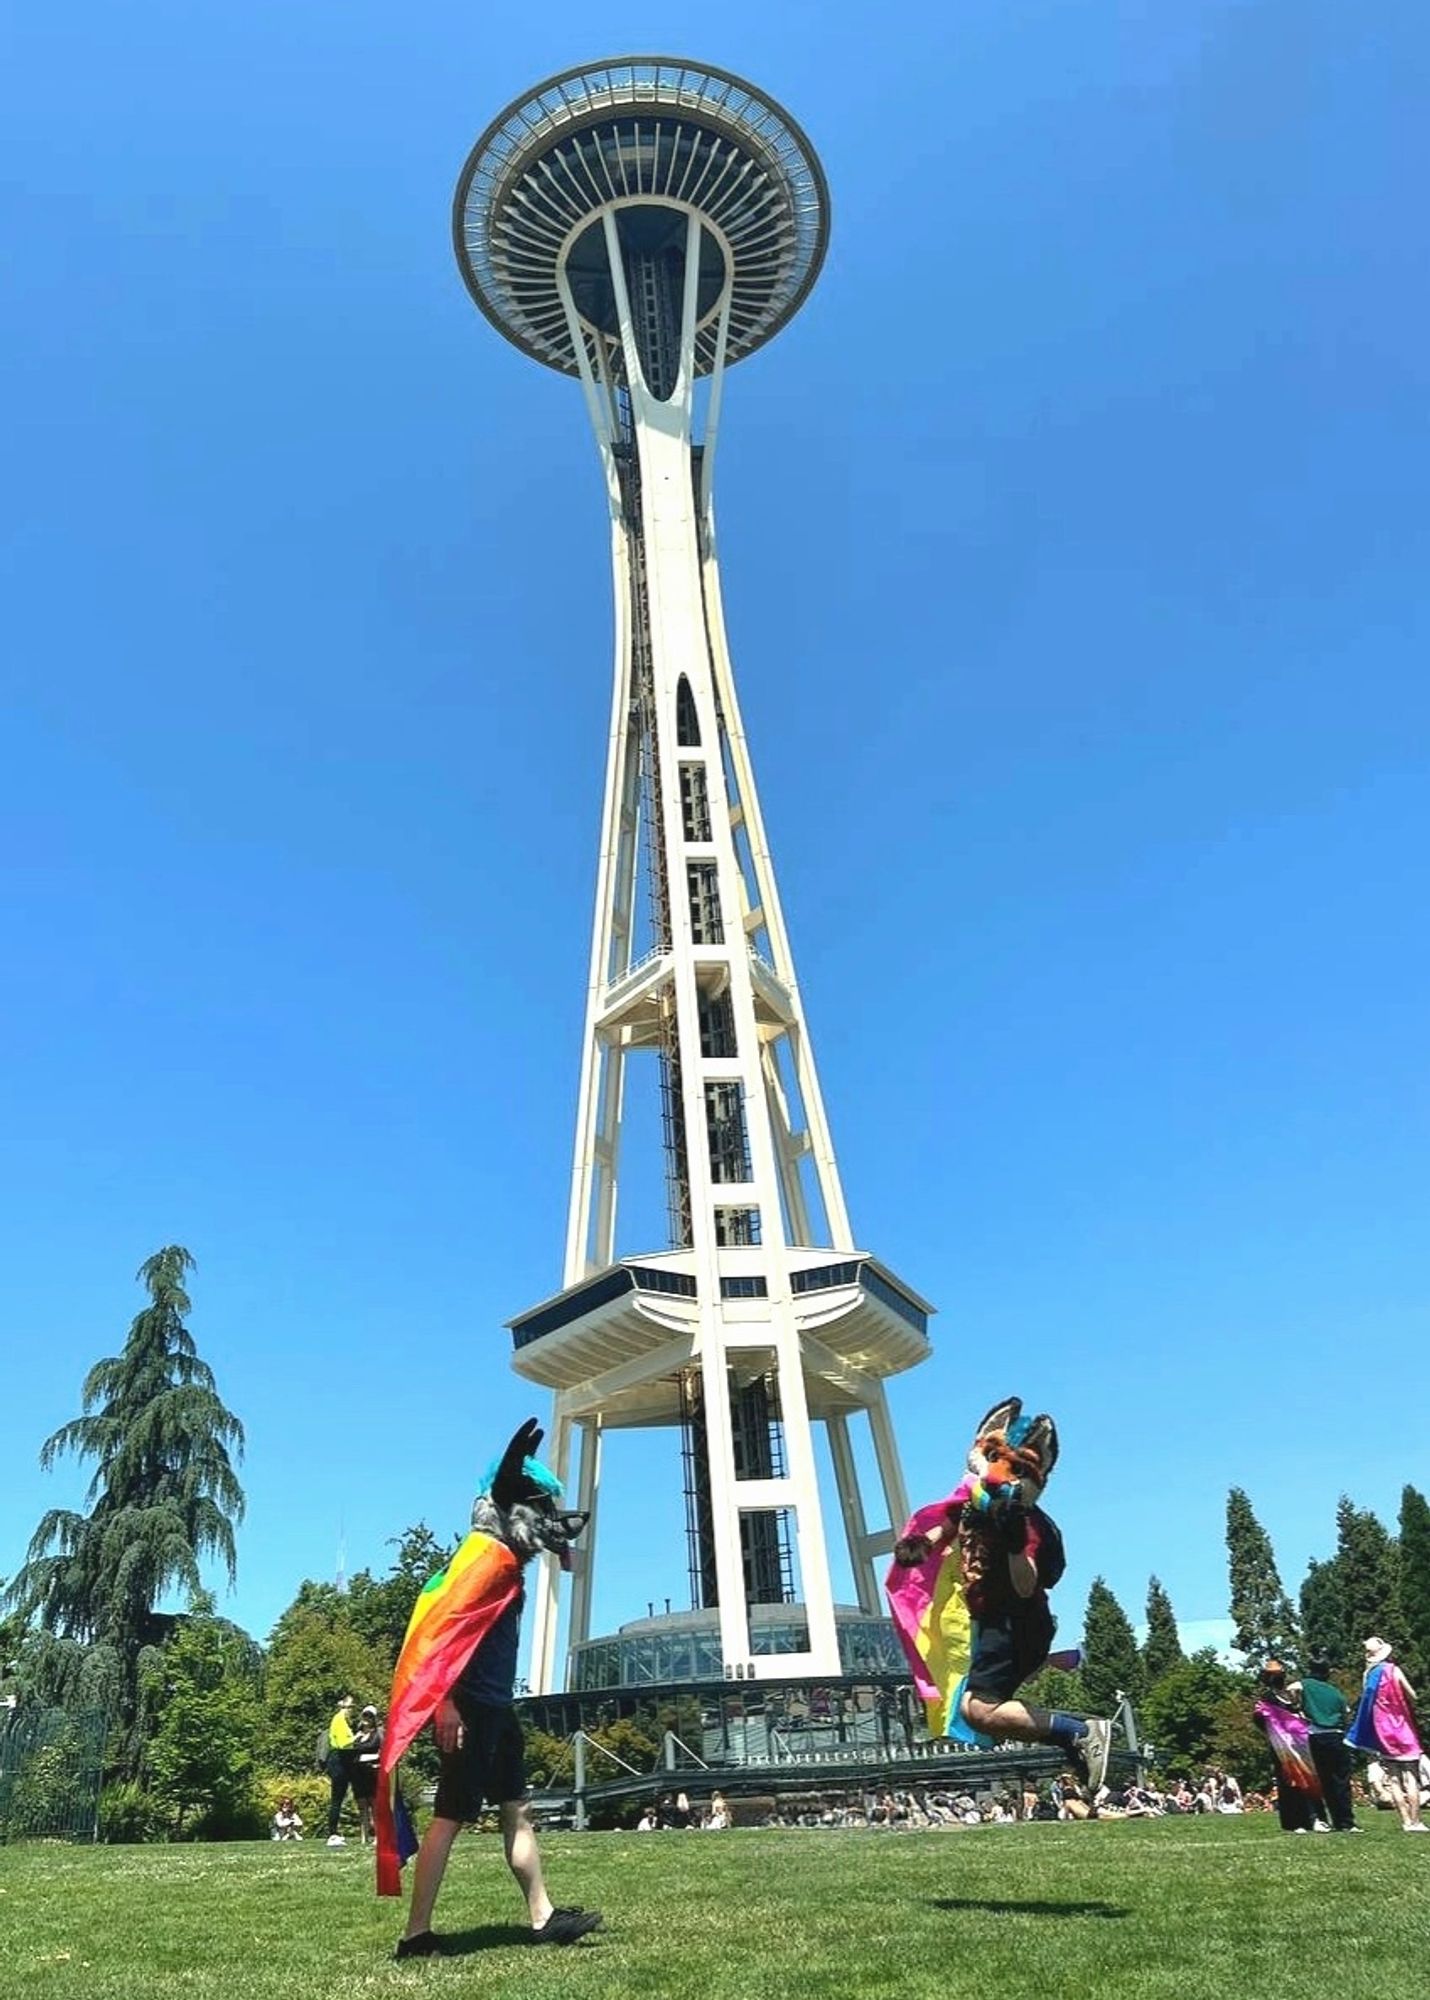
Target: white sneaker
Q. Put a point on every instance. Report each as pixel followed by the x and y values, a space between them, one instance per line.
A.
pixel 1419 1827
pixel 336 1840
pixel 1096 1748
pixel 1321 1826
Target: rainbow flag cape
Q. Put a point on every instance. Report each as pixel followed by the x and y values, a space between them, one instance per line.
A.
pixel 456 1610
pixel 1290 1746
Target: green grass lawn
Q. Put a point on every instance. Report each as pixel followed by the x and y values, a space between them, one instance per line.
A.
pixel 1173 1907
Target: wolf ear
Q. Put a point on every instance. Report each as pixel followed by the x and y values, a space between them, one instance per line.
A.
pixel 510 1480
pixel 1043 1439
pixel 1000 1416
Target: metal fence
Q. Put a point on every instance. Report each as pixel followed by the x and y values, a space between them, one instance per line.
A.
pixel 51 1771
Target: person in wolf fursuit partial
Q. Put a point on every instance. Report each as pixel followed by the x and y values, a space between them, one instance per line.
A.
pixel 457 1668
pixel 969 1593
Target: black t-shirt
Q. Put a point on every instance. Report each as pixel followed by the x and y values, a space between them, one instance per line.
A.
pixel 490 1674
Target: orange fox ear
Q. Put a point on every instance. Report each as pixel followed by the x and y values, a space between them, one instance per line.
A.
pixel 1000 1416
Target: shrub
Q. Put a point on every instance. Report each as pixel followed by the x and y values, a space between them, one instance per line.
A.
pixel 127 1813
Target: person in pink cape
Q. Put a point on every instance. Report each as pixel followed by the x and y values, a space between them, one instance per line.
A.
pixel 1384 1725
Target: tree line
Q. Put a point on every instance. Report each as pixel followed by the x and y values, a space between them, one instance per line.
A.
pixel 1196 1710
pixel 206 1727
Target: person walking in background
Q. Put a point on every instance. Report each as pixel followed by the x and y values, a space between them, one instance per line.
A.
pixel 1384 1724
pixel 339 1765
pixel 1327 1712
pixel 366 1750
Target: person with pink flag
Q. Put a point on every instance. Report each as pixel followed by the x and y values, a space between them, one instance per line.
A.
pixel 1384 1725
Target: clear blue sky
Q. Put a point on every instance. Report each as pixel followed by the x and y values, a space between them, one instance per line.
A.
pixel 1075 540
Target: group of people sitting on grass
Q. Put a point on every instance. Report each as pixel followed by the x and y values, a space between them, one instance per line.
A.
pixel 1061 1799
pixel 902 1810
pixel 678 1815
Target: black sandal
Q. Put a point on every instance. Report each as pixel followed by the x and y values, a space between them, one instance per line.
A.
pixel 426 1944
pixel 565 1926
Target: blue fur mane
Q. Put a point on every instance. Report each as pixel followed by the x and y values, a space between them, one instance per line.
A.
pixel 539 1474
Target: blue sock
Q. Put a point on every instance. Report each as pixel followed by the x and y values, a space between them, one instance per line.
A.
pixel 1065 1730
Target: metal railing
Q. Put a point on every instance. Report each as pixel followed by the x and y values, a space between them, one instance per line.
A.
pixel 51 1772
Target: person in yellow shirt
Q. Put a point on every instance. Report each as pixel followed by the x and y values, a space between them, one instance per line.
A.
pixel 340 1765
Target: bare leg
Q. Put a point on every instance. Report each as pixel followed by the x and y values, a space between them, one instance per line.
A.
pixel 1406 1781
pixel 1006 1718
pixel 431 1866
pixel 524 1860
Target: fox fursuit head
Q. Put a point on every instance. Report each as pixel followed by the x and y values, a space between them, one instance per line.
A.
pixel 1013 1452
pixel 517 1505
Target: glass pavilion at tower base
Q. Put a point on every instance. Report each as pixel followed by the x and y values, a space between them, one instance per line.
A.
pixel 681 1647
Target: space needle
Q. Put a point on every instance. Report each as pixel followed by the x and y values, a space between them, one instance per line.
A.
pixel 642 224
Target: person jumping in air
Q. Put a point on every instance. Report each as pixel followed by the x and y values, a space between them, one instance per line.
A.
pixel 968 1589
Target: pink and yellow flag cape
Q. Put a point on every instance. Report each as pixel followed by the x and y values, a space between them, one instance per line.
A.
pixel 935 1627
pixel 933 1623
pixel 456 1610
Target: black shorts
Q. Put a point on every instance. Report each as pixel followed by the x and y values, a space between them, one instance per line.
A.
pixel 1009 1650
pixel 488 1767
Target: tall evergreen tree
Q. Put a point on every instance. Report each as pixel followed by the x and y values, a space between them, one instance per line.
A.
pixel 164 1495
pixel 1415 1583
pixel 1162 1648
pixel 1112 1665
pixel 1265 1625
pixel 1325 1614
pixel 1368 1563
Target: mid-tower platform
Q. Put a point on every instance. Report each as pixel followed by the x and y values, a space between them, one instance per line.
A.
pixel 619 1343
